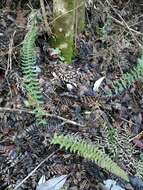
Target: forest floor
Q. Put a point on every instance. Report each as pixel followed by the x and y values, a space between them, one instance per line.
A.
pixel 110 45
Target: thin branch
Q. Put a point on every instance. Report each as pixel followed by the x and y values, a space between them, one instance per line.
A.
pixel 138 136
pixel 64 14
pixel 9 65
pixel 122 24
pixel 4 109
pixel 33 171
pixel 126 25
pixel 48 29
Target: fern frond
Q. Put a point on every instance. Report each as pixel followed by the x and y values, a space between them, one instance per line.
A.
pixel 111 138
pixel 139 169
pixel 90 152
pixel 30 74
pixel 128 78
pixel 120 149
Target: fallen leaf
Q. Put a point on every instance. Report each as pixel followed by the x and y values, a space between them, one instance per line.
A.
pixel 112 185
pixel 52 184
pixel 97 84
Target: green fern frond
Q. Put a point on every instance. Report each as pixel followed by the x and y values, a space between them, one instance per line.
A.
pixel 30 74
pixel 128 78
pixel 90 152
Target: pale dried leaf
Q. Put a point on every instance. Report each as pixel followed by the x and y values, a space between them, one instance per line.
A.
pixel 52 184
pixel 97 84
pixel 111 185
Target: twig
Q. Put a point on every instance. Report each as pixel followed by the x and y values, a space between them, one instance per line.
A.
pixel 66 120
pixel 9 65
pixel 126 25
pixel 33 171
pixel 64 14
pixel 130 122
pixel 4 109
pixel 138 136
pixel 122 24
pixel 45 17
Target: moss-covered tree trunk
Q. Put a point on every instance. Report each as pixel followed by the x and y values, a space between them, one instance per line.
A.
pixel 69 16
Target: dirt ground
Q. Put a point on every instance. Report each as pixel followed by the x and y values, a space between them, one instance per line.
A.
pixel 110 45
